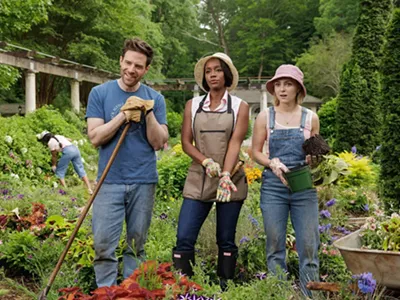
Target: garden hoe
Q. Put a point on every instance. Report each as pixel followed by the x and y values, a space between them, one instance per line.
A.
pixel 43 294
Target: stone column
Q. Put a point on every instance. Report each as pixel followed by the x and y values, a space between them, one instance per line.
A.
pixel 75 95
pixel 264 98
pixel 30 91
pixel 196 91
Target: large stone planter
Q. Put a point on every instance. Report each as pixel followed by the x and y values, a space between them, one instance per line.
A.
pixel 384 265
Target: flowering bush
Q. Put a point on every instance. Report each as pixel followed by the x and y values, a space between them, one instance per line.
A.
pixel 360 168
pixel 253 174
pixel 381 235
pixel 365 282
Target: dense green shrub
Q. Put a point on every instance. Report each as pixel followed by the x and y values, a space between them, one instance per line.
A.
pixel 358 114
pixel 23 157
pixel 390 104
pixel 174 123
pixel 327 119
pixel 172 170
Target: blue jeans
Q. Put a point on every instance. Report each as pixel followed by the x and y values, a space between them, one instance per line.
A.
pixel 70 154
pixel 276 203
pixel 192 216
pixel 114 204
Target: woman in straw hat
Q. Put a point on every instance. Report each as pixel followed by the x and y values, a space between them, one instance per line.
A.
pixel 217 124
pixel 284 127
pixel 70 153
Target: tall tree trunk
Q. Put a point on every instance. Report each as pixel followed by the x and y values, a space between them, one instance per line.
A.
pixel 217 20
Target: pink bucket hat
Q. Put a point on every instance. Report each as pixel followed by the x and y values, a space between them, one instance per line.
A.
pixel 289 71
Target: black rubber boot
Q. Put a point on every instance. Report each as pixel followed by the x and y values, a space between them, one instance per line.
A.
pixel 183 260
pixel 226 266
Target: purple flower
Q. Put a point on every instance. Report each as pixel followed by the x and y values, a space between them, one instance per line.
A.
pixel 253 221
pixel 29 256
pixel 331 202
pixel 73 199
pixel 5 191
pixel 20 196
pixel 244 239
pixel 261 275
pixel 163 216
pixel 366 282
pixel 62 192
pixel 354 149
pixel 324 228
pixel 325 214
pixel 366 207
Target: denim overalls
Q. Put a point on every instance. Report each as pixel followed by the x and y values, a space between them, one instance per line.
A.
pixel 277 201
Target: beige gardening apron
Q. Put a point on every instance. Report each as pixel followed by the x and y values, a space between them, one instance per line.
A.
pixel 211 133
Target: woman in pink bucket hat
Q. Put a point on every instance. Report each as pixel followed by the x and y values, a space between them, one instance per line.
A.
pixel 284 127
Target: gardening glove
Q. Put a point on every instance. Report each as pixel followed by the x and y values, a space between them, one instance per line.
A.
pixel 278 168
pixel 134 106
pixel 225 187
pixel 213 168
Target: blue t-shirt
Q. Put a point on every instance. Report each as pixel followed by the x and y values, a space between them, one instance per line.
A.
pixel 136 159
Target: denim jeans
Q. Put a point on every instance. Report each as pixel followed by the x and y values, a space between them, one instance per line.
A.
pixel 70 153
pixel 276 203
pixel 192 216
pixel 114 204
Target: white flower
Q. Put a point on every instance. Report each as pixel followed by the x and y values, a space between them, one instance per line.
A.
pixel 75 142
pixel 55 184
pixel 15 176
pixel 83 161
pixel 394 215
pixel 24 150
pixel 8 139
pixel 81 142
pixel 16 212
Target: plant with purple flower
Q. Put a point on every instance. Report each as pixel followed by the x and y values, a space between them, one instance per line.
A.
pixel 354 149
pixel 366 207
pixel 253 220
pixel 244 239
pixel 331 202
pixel 163 216
pixel 366 282
pixel 261 275
pixel 62 192
pixel 325 214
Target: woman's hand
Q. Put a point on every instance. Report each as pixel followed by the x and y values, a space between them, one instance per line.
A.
pixel 278 169
pixel 225 187
pixel 213 169
pixel 53 168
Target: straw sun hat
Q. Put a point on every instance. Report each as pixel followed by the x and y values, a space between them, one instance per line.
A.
pixel 199 70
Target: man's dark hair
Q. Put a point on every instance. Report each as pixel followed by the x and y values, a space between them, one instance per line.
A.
pixel 140 46
pixel 227 75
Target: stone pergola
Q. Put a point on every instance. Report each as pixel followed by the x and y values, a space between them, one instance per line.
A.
pixel 250 89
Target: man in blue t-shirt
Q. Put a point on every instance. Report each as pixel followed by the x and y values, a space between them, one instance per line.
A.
pixel 128 191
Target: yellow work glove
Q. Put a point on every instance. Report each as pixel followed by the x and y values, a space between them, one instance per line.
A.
pixel 225 187
pixel 135 106
pixel 213 168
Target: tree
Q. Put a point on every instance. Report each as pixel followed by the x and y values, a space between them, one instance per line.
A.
pixel 337 16
pixel 322 64
pixel 390 104
pixel 359 117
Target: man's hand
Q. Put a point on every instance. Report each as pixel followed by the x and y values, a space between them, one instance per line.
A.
pixel 53 168
pixel 134 106
pixel 225 187
pixel 278 168
pixel 213 168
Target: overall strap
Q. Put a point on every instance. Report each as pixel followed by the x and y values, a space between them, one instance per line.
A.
pixel 271 118
pixel 229 104
pixel 303 118
pixel 201 104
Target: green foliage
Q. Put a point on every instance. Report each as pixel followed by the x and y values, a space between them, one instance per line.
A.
pixel 23 252
pixel 359 117
pixel 8 77
pixel 390 105
pixel 172 170
pixel 249 131
pixel 322 64
pixel 327 118
pixel 331 169
pixel 174 123
pixel 337 16
pixel 360 170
